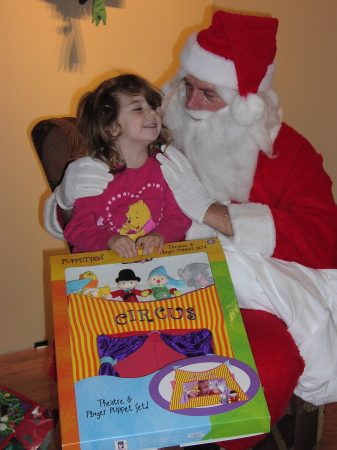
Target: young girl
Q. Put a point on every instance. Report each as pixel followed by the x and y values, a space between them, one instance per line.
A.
pixel 120 124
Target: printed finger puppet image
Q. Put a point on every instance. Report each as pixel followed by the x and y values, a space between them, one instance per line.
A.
pixel 87 284
pixel 120 284
pixel 127 282
pixel 196 275
pixel 232 397
pixel 99 292
pixel 158 281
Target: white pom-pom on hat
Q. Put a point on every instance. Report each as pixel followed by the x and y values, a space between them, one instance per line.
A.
pixel 247 110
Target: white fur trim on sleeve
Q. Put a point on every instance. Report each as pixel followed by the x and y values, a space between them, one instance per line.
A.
pixel 254 228
pixel 200 231
pixel 51 223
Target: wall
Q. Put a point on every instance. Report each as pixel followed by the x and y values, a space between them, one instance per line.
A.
pixel 51 53
pixel 306 70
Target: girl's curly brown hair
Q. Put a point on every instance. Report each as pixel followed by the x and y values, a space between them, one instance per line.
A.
pixel 97 129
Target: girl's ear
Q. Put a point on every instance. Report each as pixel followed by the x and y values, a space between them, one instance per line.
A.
pixel 116 130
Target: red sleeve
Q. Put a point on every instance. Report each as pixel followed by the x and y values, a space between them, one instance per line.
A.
pixel 82 231
pixel 298 191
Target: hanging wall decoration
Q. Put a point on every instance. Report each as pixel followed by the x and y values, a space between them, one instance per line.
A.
pixel 98 11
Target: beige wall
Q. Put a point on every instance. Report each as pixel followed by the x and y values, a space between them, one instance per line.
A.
pixel 51 54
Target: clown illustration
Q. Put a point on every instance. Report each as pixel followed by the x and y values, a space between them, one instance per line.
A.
pixel 127 282
pixel 158 279
pixel 233 397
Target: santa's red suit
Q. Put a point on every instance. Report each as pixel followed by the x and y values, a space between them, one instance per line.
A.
pixel 298 192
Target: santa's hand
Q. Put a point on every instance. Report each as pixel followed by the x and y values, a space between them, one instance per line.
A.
pixel 187 189
pixel 84 177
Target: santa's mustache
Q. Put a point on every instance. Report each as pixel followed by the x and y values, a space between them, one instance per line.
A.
pixel 198 114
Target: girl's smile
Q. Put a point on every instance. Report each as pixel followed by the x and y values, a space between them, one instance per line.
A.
pixel 140 122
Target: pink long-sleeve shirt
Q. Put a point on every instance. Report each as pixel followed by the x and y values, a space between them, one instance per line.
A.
pixel 135 202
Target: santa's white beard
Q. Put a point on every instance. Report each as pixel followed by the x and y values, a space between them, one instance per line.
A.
pixel 222 152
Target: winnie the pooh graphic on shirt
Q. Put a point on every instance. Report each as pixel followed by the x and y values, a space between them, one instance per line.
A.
pixel 139 221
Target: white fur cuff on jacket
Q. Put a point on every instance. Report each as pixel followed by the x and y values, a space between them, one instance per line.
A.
pixel 200 231
pixel 51 223
pixel 254 228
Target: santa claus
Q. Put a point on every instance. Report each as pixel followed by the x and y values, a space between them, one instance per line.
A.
pixel 259 186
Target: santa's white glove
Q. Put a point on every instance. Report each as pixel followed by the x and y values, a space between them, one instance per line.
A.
pixel 84 177
pixel 187 189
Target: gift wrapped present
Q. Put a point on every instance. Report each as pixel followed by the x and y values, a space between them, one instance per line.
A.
pixel 24 425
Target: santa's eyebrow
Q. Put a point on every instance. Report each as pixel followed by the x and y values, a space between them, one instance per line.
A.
pixel 210 91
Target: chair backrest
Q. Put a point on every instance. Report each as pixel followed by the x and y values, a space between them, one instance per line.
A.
pixel 51 141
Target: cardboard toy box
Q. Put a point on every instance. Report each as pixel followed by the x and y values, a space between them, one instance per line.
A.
pixel 152 352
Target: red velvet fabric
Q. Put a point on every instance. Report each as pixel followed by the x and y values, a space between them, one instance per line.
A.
pixel 150 357
pixel 298 192
pixel 279 364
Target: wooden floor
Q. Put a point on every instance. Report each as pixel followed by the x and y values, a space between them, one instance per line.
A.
pixel 26 372
pixel 329 438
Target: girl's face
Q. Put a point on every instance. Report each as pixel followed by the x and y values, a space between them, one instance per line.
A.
pixel 141 124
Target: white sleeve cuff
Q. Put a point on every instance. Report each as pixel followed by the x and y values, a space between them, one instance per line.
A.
pixel 253 227
pixel 51 223
pixel 200 231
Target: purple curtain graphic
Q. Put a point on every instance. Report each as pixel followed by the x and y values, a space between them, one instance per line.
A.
pixel 111 350
pixel 196 343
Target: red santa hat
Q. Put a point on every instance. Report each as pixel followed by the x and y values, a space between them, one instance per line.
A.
pixel 235 52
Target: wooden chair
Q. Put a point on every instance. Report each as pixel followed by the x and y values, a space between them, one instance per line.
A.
pixel 51 138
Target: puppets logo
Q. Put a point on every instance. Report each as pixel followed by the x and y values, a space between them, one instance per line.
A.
pixel 84 259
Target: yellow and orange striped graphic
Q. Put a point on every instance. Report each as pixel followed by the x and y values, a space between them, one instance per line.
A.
pixel 90 317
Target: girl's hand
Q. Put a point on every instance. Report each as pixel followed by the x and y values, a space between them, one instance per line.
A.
pixel 123 245
pixel 149 242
